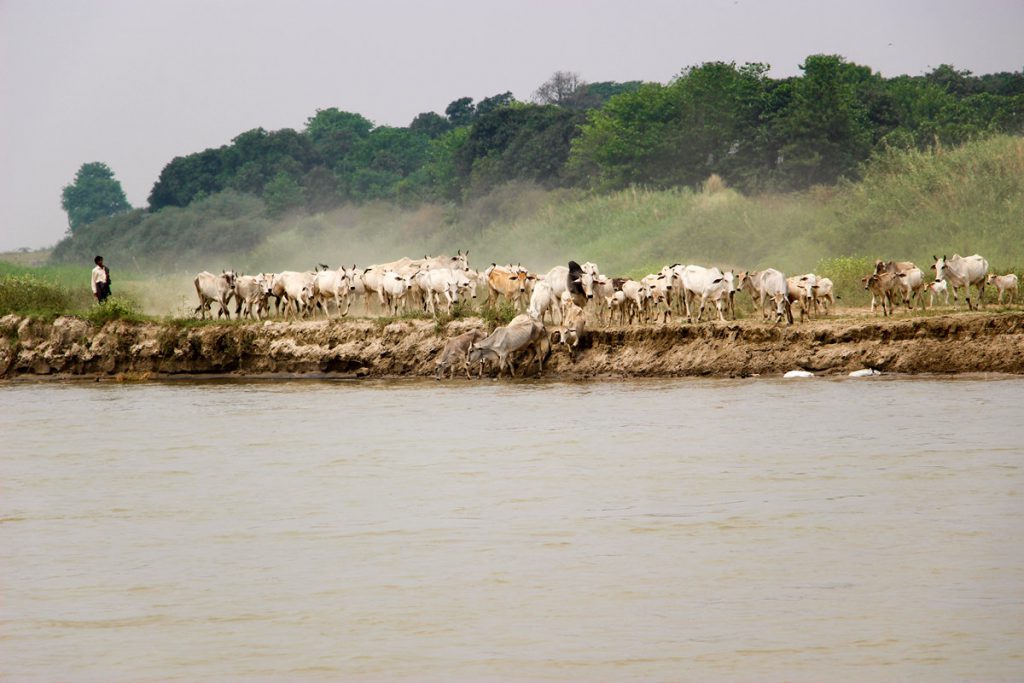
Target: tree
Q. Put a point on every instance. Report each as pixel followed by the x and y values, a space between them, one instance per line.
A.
pixel 460 112
pixel 563 89
pixel 95 193
pixel 283 193
pixel 431 124
pixel 824 133
pixel 489 104
pixel 336 135
pixel 187 178
pixel 521 142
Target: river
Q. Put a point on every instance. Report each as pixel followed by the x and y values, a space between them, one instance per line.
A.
pixel 682 530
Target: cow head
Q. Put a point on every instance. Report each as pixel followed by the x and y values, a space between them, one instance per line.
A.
pixel 939 267
pixel 460 261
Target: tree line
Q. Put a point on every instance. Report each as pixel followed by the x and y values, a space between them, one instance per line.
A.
pixel 758 133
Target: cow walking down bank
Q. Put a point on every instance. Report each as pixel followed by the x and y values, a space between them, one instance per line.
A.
pixel 521 334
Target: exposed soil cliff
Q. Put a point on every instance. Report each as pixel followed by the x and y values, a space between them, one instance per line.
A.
pixel 972 342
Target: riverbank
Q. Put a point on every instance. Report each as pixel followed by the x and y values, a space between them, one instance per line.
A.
pixel 948 344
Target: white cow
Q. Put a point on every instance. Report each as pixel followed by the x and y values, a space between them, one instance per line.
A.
pixel 571 331
pixel 962 272
pixel 636 294
pixel 356 288
pixel 706 284
pixel 441 283
pixel 764 286
pixel 558 279
pixel 331 285
pixel 912 284
pixel 296 288
pixel 603 288
pixel 1004 283
pixel 210 288
pixel 659 294
pixel 249 290
pixel 542 302
pixel 823 294
pixel 937 288
pixel 393 289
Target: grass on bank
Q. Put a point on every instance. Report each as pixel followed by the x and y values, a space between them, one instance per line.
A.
pixel 41 292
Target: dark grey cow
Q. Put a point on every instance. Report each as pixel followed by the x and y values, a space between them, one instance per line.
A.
pixel 523 332
pixel 456 349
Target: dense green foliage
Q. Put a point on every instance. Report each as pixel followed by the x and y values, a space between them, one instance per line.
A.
pixel 94 194
pixel 756 132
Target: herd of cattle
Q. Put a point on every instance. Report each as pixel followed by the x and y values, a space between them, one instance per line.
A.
pixel 565 293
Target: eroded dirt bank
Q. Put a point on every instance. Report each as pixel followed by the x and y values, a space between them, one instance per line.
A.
pixel 977 342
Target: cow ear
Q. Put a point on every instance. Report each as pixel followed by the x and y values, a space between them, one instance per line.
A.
pixel 715 282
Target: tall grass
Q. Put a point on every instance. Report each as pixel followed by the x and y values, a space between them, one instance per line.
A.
pixel 42 292
pixel 30 294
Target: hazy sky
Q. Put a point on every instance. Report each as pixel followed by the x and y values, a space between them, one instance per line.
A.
pixel 134 83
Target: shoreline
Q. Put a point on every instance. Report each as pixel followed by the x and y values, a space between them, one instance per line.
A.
pixel 68 347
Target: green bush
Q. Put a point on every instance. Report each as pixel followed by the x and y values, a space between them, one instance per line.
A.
pixel 499 314
pixel 114 308
pixel 27 294
pixel 846 273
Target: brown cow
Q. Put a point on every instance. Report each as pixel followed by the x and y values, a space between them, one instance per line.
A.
pixel 882 286
pixel 511 282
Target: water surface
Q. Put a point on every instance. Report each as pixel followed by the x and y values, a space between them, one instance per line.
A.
pixel 841 530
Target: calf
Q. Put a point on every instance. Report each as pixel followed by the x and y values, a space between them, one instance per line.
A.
pixel 455 349
pixel 800 291
pixel 573 325
pixel 1004 283
pixel 937 288
pixel 618 304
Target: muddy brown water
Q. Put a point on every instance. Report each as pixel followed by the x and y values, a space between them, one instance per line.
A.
pixel 734 530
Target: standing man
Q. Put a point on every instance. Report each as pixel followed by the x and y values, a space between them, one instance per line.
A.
pixel 100 280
